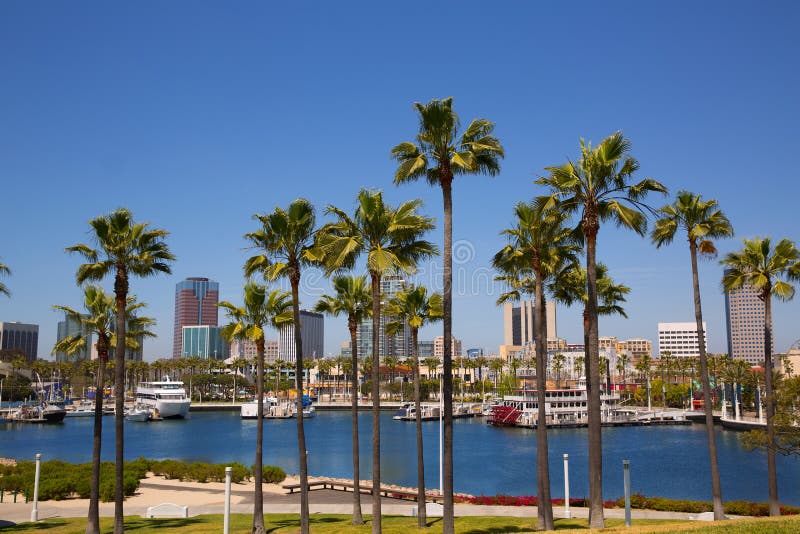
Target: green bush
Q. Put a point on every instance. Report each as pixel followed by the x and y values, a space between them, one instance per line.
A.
pixel 239 472
pixel 273 474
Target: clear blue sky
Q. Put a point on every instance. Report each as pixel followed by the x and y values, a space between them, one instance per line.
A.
pixel 197 115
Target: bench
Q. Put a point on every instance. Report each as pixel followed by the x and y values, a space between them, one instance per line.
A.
pixel 311 486
pixel 167 509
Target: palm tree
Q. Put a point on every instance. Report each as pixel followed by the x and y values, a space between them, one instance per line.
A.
pixel 558 366
pixel 736 373
pixel 622 367
pixel 392 240
pixel 539 247
pixel 3 289
pixel 643 367
pixel 481 362
pixel 99 320
pixel 415 309
pixel 664 366
pixel 702 221
pixel 578 366
pixel 496 365
pixel 125 248
pixel 248 322
pixel 438 155
pixel 352 298
pixel 286 241
pixel 770 272
pixel 598 188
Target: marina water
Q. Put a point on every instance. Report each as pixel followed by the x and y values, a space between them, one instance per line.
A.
pixel 668 461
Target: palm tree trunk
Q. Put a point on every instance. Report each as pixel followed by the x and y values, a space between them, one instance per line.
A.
pixel 121 294
pixel 708 408
pixel 422 519
pixel 544 504
pixel 301 435
pixel 258 494
pixel 596 513
pixel 772 475
pixel 358 519
pixel 448 524
pixel 93 519
pixel 376 404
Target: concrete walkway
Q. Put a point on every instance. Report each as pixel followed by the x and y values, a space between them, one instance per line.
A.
pixel 321 501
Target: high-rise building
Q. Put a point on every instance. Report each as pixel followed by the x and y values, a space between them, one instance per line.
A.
pixel 70 327
pixel 22 337
pixel 680 339
pixel 312 333
pixel 195 305
pixel 438 347
pixel 398 345
pixel 204 342
pixel 519 322
pixel 745 320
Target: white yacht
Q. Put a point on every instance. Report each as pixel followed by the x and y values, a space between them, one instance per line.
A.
pixel 166 398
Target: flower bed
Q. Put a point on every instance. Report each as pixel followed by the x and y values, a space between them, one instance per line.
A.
pixel 638 501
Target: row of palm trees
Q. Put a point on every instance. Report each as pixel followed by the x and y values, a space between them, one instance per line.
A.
pixel 550 233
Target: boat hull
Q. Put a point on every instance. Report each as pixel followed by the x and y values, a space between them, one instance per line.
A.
pixel 168 409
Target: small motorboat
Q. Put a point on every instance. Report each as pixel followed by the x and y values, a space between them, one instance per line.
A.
pixel 309 412
pixel 84 409
pixel 404 411
pixel 140 413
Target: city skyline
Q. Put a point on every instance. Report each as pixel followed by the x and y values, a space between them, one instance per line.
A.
pixel 199 126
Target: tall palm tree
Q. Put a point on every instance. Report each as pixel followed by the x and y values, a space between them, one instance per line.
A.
pixel 286 240
pixel 770 272
pixel 391 239
pixel 703 222
pixel 99 320
pixel 539 246
pixel 598 188
pixel 439 154
pixel 352 297
pixel 415 308
pixel 248 322
pixel 124 248
pixel 3 289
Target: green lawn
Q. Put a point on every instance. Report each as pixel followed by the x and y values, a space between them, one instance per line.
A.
pixel 335 524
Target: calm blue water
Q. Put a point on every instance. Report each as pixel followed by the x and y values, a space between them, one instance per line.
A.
pixel 665 461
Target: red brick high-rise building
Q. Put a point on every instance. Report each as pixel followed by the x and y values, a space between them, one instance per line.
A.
pixel 195 305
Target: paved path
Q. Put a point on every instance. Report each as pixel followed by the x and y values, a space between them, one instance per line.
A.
pixel 321 501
